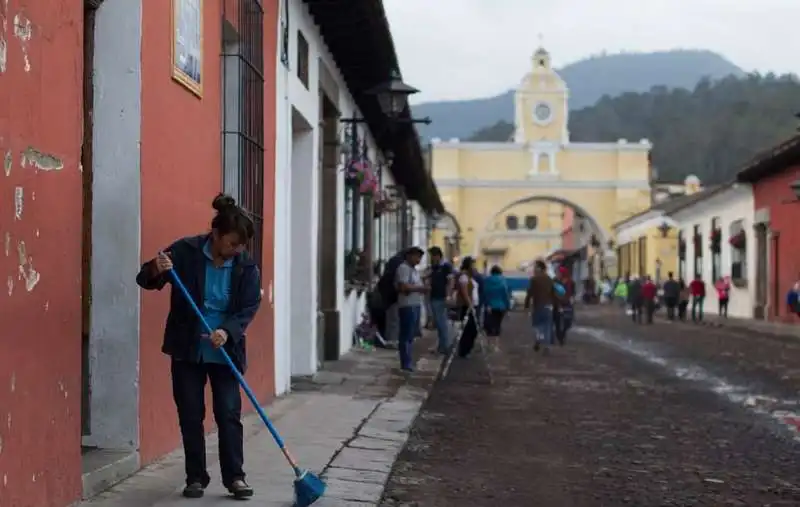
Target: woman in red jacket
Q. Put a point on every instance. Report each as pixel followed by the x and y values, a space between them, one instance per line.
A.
pixel 698 291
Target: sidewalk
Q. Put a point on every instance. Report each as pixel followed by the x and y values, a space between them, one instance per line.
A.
pixel 349 422
pixel 783 329
pixel 758 326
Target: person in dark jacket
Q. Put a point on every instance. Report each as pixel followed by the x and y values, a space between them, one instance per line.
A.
pixel 635 298
pixel 672 295
pixel 225 284
pixel 541 298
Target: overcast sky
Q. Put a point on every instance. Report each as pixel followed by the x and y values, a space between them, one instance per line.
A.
pixel 454 49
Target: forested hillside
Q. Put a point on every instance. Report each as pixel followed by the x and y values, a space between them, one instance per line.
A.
pixel 588 80
pixel 710 130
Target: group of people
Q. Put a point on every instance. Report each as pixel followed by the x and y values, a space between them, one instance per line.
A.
pixel 641 297
pixel 446 292
pixel 550 301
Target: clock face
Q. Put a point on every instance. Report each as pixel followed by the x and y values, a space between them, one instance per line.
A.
pixel 542 112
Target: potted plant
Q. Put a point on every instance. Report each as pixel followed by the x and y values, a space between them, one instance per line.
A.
pixel 356 171
pixel 738 241
pixel 714 240
pixel 369 185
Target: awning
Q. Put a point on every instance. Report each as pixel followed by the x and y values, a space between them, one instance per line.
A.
pixel 357 34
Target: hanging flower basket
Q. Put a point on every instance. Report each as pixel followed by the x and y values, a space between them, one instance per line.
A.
pixel 738 241
pixel 356 171
pixel 369 184
pixel 714 240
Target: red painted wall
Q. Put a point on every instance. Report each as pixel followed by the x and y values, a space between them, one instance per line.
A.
pixel 41 109
pixel 774 193
pixel 181 173
pixel 567 234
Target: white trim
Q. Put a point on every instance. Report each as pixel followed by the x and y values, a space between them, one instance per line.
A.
pixel 543 181
pixel 438 144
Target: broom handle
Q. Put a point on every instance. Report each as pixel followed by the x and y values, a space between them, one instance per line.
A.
pixel 242 382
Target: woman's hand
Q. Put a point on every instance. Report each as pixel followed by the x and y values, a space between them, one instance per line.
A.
pixel 218 338
pixel 163 263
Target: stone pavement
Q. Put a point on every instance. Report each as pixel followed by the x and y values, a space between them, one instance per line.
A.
pixel 621 416
pixel 349 422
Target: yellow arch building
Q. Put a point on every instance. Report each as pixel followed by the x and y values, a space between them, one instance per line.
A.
pixel 506 201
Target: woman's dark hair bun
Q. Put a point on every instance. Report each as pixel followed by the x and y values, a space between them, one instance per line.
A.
pixel 224 203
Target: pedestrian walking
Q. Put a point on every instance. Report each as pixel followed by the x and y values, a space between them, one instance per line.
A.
pixel 498 301
pixel 621 292
pixel 698 290
pixel 439 280
pixel 635 299
pixel 606 289
pixel 410 298
pixel 649 295
pixel 467 289
pixel 683 300
pixel 387 289
pixel 541 299
pixel 226 283
pixel 723 288
pixel 672 295
pixel 564 311
pixel 793 299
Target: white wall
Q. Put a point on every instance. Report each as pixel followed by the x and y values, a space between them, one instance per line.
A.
pixel 292 324
pixel 730 205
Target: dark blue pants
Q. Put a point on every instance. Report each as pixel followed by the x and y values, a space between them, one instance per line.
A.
pixel 189 391
pixel 409 322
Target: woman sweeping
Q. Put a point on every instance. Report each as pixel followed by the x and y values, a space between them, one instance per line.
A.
pixel 225 283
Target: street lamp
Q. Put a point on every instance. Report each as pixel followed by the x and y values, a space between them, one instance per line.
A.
pixel 392 95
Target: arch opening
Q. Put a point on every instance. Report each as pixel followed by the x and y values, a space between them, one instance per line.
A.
pixel 488 234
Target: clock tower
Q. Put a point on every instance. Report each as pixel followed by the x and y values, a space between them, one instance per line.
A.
pixel 541 108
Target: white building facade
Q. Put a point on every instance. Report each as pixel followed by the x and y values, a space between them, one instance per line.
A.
pixel 725 213
pixel 319 223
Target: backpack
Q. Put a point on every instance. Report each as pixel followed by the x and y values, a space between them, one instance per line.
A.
pixel 386 286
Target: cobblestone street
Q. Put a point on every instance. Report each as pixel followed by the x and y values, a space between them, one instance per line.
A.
pixel 661 415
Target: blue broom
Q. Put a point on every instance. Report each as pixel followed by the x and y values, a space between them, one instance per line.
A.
pixel 308 488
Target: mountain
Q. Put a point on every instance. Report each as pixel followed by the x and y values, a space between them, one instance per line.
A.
pixel 588 81
pixel 710 131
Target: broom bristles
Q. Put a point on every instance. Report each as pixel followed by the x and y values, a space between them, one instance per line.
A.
pixel 308 488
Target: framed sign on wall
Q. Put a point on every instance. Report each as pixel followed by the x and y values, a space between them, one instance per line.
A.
pixel 187 44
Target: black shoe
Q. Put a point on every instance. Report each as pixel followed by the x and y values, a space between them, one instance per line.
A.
pixel 536 346
pixel 240 490
pixel 194 490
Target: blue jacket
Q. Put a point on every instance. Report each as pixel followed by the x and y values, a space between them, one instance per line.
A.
pixel 496 293
pixel 183 329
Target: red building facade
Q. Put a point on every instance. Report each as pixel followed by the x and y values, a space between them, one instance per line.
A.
pixel 774 176
pixel 112 143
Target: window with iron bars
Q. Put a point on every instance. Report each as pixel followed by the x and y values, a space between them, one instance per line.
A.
pixel 242 61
